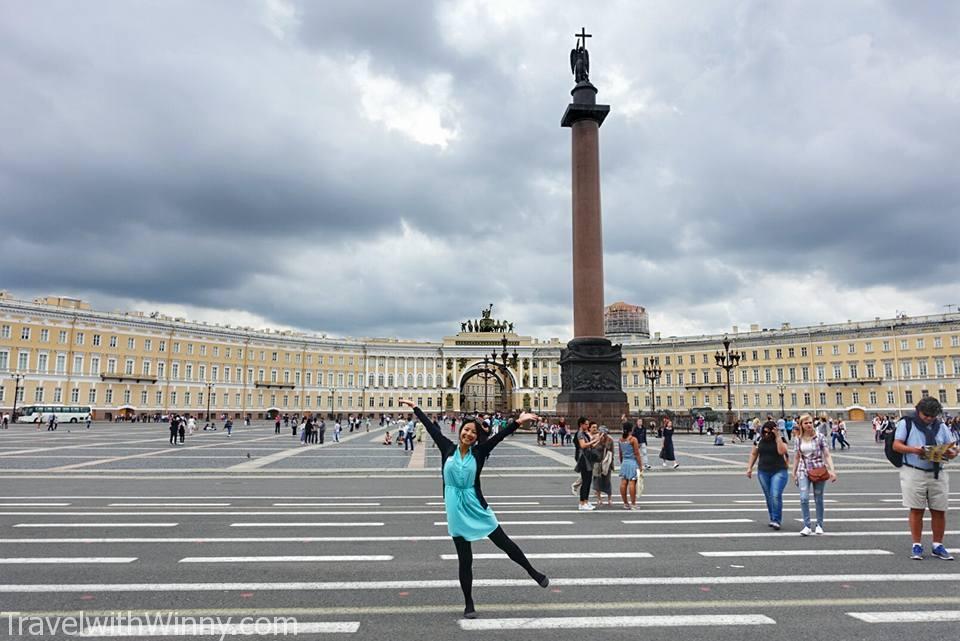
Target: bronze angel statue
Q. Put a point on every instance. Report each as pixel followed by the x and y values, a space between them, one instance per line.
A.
pixel 580 64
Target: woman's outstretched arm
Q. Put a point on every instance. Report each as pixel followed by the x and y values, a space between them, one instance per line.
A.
pixel 511 427
pixel 432 428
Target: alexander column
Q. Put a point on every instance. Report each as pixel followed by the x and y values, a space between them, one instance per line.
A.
pixel 590 365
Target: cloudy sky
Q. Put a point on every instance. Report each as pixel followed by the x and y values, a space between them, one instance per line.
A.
pixel 389 167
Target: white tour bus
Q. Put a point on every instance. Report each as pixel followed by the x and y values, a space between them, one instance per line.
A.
pixel 64 413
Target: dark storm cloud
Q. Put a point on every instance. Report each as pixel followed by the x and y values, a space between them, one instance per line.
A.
pixel 388 168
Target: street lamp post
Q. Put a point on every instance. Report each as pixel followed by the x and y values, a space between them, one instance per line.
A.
pixel 505 358
pixel 782 388
pixel 16 394
pixel 210 386
pixel 728 360
pixel 652 372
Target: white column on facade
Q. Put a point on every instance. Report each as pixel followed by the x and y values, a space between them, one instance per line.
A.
pixel 415 372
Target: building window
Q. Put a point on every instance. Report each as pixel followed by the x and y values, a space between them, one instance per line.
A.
pixel 109 398
pixel 890 399
pixel 131 343
pixel 906 369
pixel 853 371
pixel 908 397
pixel 44 335
pixel 919 343
pixel 885 346
pixel 113 341
pixel 819 350
pixel 855 398
pixel 23 360
pixel 75 395
pixel 868 348
pixel 904 345
pixel 57 395
pixel 806 399
pixel 92 395
pixel 147 345
pixel 942 395
pixel 823 398
pixel 25 334
pixel 5 332
pixel 793 399
pixel 803 352
pixel 888 370
pixel 162 346
pixel 839 398
pixel 835 350
pixel 837 373
pixel 779 353
pixel 873 398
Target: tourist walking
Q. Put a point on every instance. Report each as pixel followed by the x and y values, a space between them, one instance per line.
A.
pixel 667 455
pixel 631 473
pixel 469 518
pixel 228 426
pixel 173 430
pixel 603 468
pixel 182 430
pixel 812 468
pixel 770 453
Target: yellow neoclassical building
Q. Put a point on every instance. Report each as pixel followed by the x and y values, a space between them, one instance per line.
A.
pixel 58 351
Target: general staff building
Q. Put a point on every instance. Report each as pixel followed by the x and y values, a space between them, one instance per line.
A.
pixel 59 351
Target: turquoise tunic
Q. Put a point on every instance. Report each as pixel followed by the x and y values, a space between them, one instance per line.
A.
pixel 465 516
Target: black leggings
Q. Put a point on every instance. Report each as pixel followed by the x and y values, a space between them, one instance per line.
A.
pixel 465 560
pixel 586 480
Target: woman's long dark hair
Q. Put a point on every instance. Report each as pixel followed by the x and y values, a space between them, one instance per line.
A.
pixel 482 434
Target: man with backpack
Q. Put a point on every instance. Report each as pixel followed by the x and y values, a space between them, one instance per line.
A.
pixel 923 482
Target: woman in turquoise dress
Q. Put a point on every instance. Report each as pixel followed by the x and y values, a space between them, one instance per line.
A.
pixel 469 518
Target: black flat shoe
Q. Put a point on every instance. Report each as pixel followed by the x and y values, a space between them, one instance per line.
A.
pixel 469 613
pixel 543 581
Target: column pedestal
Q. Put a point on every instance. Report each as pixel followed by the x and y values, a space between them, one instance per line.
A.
pixel 590 373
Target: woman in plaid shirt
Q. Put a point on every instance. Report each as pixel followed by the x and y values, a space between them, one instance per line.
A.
pixel 811 459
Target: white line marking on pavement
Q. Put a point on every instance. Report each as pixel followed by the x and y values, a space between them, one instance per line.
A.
pixel 45 525
pixel 312 524
pixel 790 500
pixel 656 621
pixel 199 629
pixel 492 503
pixel 445 584
pixel 561 555
pixel 288 559
pixel 327 504
pixel 521 522
pixel 680 521
pixel 408 539
pixel 68 559
pixel 255 511
pixel 926 616
pixel 901 500
pixel 869 519
pixel 738 553
pixel 263 461
pixel 169 505
pixel 34 504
